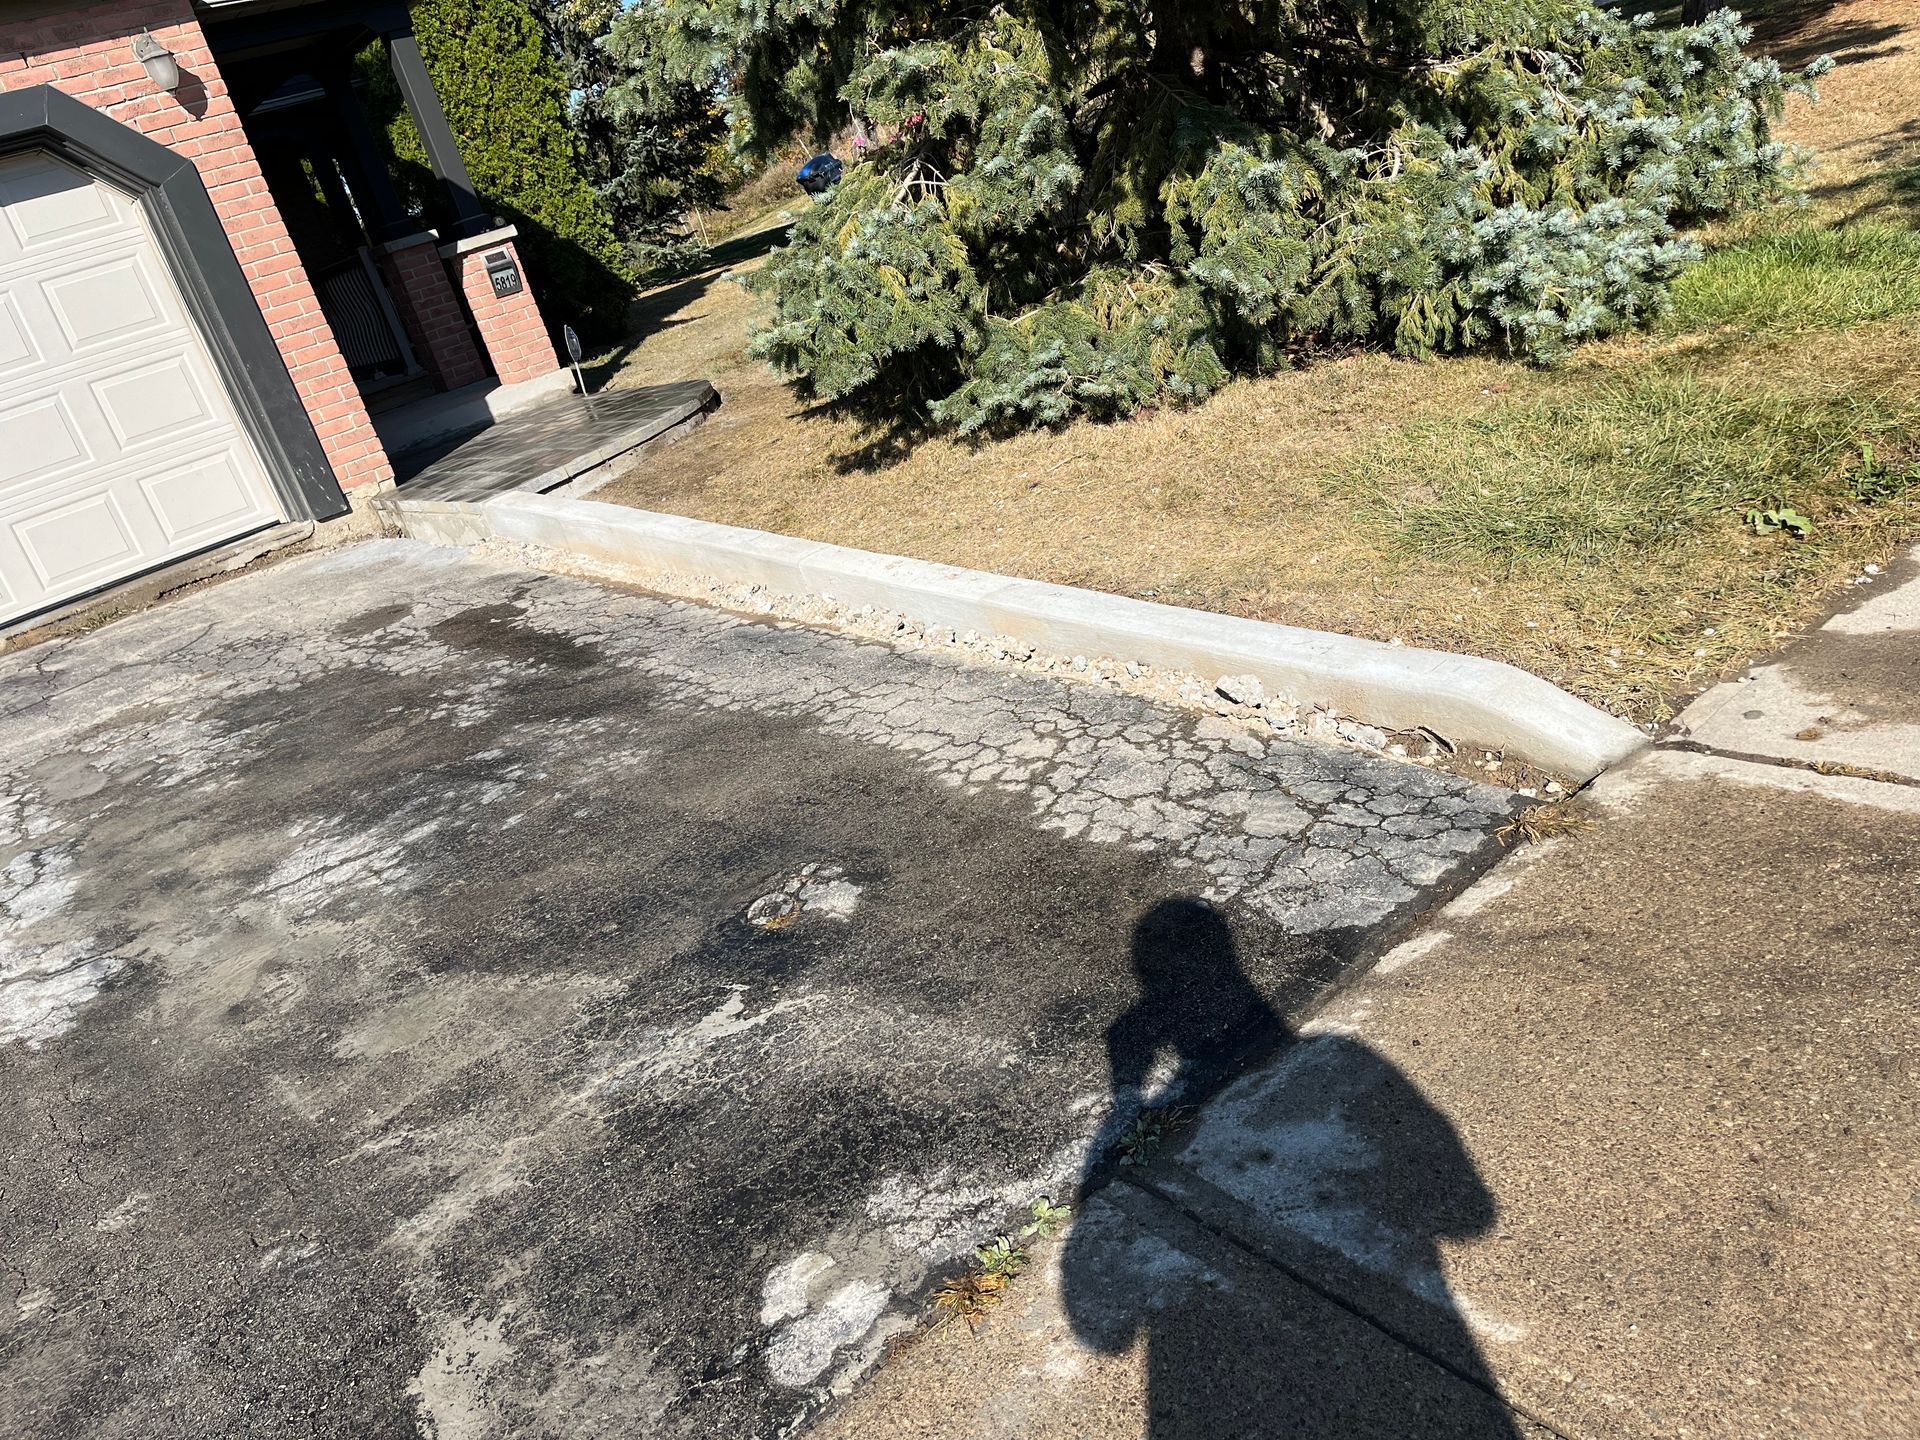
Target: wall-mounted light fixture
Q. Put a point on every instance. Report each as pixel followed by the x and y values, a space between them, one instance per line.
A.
pixel 157 61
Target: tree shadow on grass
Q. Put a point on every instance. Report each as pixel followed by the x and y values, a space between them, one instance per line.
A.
pixel 657 310
pixel 880 443
pixel 1878 195
pixel 1780 29
pixel 1781 32
pixel 751 246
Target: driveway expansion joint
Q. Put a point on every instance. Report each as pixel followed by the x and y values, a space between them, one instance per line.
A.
pixel 1685 745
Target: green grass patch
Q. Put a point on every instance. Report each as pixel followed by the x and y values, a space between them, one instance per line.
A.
pixel 1801 279
pixel 1597 471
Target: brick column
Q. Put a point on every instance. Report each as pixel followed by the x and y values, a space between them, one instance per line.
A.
pixel 431 312
pixel 511 326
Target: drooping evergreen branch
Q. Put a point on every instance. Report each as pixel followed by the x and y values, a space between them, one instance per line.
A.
pixel 1080 206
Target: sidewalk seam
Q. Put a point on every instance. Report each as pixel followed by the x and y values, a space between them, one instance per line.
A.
pixel 1259 1255
pixel 1835 769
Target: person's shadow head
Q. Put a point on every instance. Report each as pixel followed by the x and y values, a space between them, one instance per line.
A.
pixel 1198 1018
pixel 1183 943
pixel 1197 1021
pixel 1334 1156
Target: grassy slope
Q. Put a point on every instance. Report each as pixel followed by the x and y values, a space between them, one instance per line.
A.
pixel 1587 523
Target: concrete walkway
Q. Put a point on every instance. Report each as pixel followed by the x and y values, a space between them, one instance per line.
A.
pixel 1848 695
pixel 1624 1143
pixel 560 440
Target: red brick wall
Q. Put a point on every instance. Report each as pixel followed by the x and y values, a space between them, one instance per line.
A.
pixel 430 309
pixel 87 51
pixel 510 327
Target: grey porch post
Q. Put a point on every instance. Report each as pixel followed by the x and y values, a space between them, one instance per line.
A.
pixel 416 86
pixel 381 201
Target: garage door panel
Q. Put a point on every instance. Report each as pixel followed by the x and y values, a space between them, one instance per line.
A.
pixel 77 378
pixel 124 471
pixel 119 446
pixel 105 304
pixel 38 442
pixel 153 402
pixel 79 543
pixel 17 352
pixel 48 204
pixel 205 500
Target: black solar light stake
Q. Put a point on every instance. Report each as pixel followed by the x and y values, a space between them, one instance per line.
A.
pixel 572 337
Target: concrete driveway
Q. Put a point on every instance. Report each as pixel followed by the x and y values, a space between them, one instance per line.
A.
pixel 442 999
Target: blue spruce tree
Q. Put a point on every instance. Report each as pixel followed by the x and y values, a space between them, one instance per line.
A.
pixel 1069 207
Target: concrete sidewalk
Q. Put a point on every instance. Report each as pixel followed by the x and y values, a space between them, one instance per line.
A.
pixel 1624 1143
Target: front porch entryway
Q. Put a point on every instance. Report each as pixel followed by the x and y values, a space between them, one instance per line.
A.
pixel 567 440
pixel 389 262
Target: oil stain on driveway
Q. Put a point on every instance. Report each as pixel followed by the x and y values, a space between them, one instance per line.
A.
pixel 437 998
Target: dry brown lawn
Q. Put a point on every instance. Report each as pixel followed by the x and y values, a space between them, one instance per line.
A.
pixel 1364 494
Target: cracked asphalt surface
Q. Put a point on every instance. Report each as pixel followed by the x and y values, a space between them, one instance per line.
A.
pixel 437 998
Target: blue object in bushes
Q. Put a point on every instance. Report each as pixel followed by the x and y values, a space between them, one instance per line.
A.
pixel 819 175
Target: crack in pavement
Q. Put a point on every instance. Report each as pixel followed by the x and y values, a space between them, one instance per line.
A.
pixel 431 926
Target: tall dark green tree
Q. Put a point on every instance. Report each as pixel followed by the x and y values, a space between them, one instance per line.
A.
pixel 574 30
pixel 505 92
pixel 653 140
pixel 659 136
pixel 1079 206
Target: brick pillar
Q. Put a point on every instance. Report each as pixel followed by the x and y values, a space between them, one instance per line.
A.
pixel 511 326
pixel 430 310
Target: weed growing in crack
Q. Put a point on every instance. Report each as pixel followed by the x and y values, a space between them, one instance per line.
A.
pixel 1145 1136
pixel 1853 772
pixel 1545 822
pixel 1001 1256
pixel 1048 1220
pixel 967 1297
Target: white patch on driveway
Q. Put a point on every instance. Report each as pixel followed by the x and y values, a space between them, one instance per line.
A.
pixel 126 1213
pixel 816 889
pixel 661 1053
pixel 42 991
pixel 803 1349
pixel 343 857
pixel 452 1386
pixel 784 1295
pixel 39 884
pixel 44 986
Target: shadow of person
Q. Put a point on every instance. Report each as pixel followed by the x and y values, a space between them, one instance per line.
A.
pixel 1331 1162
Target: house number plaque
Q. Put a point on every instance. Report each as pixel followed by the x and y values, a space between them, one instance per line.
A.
pixel 504 272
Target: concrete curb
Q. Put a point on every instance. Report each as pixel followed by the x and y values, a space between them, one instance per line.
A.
pixel 1468 700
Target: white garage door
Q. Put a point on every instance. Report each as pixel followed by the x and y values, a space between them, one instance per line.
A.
pixel 118 448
